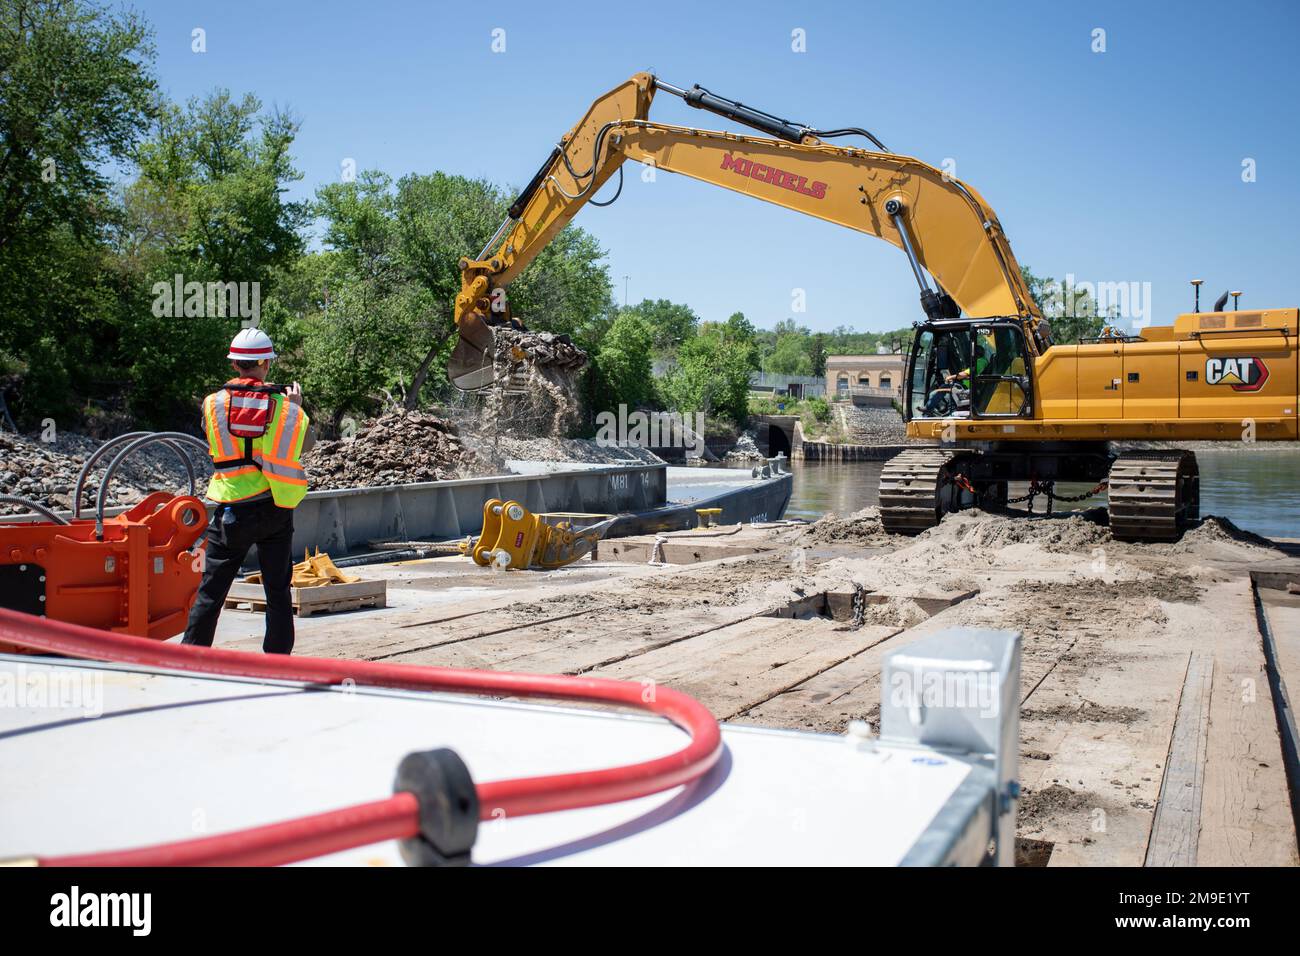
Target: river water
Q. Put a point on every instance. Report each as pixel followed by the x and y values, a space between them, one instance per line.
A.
pixel 1258 490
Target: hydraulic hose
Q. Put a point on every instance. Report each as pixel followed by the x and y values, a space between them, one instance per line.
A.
pixel 172 439
pixel 398 816
pixel 112 443
pixel 34 506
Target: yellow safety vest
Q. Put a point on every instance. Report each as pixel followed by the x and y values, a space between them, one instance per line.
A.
pixel 275 463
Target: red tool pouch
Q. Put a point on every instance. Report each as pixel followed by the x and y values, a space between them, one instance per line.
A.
pixel 249 411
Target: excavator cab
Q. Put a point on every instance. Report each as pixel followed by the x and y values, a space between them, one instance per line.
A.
pixel 969 369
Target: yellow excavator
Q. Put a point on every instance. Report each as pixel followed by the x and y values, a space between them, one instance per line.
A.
pixel 984 381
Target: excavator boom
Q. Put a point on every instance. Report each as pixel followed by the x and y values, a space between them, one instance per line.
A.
pixel 952 239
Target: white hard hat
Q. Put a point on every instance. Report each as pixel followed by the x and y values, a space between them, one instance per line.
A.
pixel 251 345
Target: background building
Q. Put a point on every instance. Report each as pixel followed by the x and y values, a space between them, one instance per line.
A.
pixel 866 376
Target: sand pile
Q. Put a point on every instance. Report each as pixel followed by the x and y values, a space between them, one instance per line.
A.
pixel 862 528
pixel 1059 534
pixel 397 448
pixel 1220 534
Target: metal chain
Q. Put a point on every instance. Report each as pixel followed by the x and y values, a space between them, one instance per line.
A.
pixel 1086 494
pixel 859 607
pixel 1035 489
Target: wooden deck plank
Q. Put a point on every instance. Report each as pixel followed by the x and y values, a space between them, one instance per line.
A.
pixel 1246 813
pixel 817 702
pixel 1097 729
pixel 1175 831
pixel 575 645
pixel 852 689
pixel 1283 611
pixel 737 667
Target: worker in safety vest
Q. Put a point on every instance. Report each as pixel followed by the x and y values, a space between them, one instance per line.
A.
pixel 256 436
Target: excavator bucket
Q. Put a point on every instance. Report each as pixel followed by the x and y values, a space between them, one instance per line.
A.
pixel 471 366
pixel 487 355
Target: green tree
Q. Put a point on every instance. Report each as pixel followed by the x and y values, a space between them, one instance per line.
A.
pixel 77 87
pixel 670 322
pixel 789 357
pixel 711 374
pixel 209 204
pixel 621 368
pixel 741 331
pixel 76 93
pixel 817 354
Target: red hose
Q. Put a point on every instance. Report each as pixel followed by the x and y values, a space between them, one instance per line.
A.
pixel 397 816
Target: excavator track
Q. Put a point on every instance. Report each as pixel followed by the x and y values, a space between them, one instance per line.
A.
pixel 916 489
pixel 1153 495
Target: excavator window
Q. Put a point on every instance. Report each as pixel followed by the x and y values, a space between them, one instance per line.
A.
pixel 965 371
pixel 938 357
pixel 1000 383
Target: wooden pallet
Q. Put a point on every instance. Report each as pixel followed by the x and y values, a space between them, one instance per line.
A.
pixel 309 601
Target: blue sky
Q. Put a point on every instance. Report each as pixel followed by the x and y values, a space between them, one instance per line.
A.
pixel 1122 166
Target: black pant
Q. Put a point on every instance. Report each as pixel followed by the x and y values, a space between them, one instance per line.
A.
pixel 233 530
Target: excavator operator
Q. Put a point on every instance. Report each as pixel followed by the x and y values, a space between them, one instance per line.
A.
pixel 955 392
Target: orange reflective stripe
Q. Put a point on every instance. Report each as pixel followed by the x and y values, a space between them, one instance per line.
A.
pixel 210 426
pixel 289 421
pixel 273 445
pixel 228 446
pixel 290 453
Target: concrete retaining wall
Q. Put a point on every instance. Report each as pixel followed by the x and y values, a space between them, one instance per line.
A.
pixel 826 451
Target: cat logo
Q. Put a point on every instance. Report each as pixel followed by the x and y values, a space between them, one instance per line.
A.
pixel 1243 373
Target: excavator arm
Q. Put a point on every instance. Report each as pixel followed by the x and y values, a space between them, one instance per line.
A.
pixel 953 241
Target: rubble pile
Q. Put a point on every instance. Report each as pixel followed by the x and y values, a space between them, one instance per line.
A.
pixel 398 448
pixel 495 451
pixel 746 448
pixel 46 472
pixel 536 389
